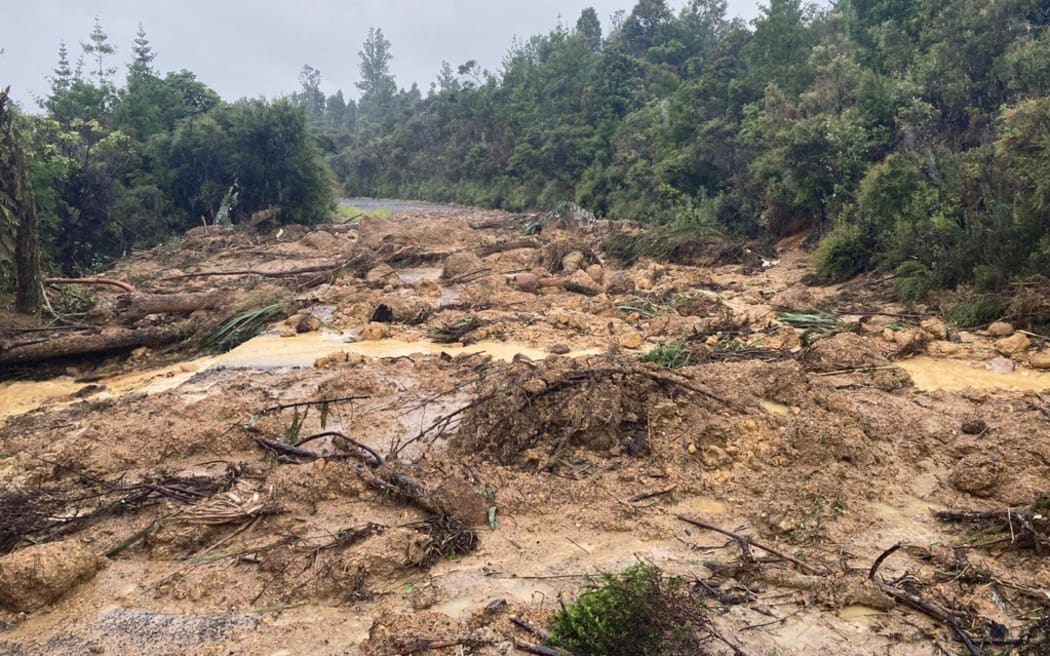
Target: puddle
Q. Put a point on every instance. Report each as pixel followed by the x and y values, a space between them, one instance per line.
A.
pixel 954 375
pixel 263 352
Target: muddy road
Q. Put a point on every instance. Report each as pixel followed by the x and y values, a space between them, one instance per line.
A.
pixel 424 449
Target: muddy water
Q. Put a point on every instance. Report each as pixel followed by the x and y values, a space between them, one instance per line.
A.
pixel 953 375
pixel 263 352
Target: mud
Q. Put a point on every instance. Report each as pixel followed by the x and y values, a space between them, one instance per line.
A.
pixel 536 424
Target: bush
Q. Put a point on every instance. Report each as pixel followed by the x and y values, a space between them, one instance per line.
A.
pixel 634 613
pixel 981 311
pixel 842 254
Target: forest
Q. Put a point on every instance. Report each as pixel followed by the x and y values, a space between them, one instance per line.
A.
pixel 907 136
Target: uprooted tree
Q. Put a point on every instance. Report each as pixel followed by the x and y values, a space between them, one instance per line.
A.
pixel 19 250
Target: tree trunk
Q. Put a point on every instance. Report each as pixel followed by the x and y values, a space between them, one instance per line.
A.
pixel 136 306
pixel 106 339
pixel 18 206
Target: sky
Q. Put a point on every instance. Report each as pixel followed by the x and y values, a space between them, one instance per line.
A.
pixel 252 48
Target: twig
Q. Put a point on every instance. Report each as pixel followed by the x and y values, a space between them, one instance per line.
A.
pixel 878 561
pixel 378 459
pixel 771 623
pixel 649 495
pixel 300 404
pixel 745 541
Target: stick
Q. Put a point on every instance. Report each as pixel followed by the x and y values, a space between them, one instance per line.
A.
pixel 299 404
pixel 524 624
pixel 331 266
pixel 375 456
pixel 536 649
pixel 878 561
pixel 92 281
pixel 649 495
pixel 742 540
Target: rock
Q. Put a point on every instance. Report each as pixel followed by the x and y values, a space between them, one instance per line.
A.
pixel 619 283
pixel 1000 366
pixel 401 308
pixel 935 328
pixel 1040 359
pixel 458 499
pixel 1000 329
pixel 461 263
pixel 321 240
pixel 308 323
pixel 843 351
pixel 966 337
pixel 526 282
pixel 596 272
pixel 558 349
pixel 630 339
pixel 978 474
pixel 381 275
pixel 375 331
pixel 36 576
pixel 974 426
pixel 797 298
pixel 888 335
pixel 581 279
pixel 1014 344
pixel 572 262
pixel 942 348
pixel 911 340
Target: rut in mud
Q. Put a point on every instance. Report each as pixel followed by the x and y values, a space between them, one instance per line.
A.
pixel 407 479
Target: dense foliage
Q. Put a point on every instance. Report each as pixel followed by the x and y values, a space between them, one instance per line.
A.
pixel 906 131
pixel 117 166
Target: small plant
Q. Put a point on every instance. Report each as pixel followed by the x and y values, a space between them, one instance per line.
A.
pixel 977 312
pixel 242 327
pixel 842 254
pixel 673 355
pixel 635 612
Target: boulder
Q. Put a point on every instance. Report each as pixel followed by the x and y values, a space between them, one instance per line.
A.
pixel 36 576
pixel 935 328
pixel 1014 344
pixel 1000 329
pixel 1040 359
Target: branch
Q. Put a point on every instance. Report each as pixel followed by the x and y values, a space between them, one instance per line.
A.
pixel 92 281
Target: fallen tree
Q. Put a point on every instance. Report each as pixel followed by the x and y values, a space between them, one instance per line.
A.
pixel 102 340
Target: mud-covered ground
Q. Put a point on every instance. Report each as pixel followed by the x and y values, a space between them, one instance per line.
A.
pixel 167 504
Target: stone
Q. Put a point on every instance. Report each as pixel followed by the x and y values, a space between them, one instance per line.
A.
pixel 581 279
pixel 935 328
pixel 381 275
pixel 375 331
pixel 526 282
pixel 1000 329
pixel 1014 344
pixel 910 340
pixel 619 283
pixel 308 323
pixel 630 339
pixel 942 348
pixel 36 576
pixel 572 262
pixel 596 272
pixel 1040 359
pixel 461 263
pixel 974 426
pixel 558 349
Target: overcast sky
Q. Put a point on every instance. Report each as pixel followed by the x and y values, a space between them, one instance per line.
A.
pixel 257 47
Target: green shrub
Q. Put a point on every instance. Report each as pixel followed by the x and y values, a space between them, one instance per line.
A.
pixel 634 613
pixel 913 282
pixel 842 254
pixel 672 356
pixel 977 312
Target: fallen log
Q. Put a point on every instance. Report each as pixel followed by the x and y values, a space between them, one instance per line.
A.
pixel 136 306
pixel 106 339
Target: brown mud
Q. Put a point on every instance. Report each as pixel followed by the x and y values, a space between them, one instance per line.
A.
pixel 166 504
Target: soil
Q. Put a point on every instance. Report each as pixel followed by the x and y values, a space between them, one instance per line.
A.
pixel 534 429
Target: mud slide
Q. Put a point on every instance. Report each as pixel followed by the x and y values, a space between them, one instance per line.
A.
pixel 426 457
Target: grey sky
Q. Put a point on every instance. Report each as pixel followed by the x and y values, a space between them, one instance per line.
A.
pixel 257 47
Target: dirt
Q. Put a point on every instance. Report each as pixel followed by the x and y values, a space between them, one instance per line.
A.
pixel 534 428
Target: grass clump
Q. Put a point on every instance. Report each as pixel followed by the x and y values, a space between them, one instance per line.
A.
pixel 349 213
pixel 673 356
pixel 636 612
pixel 242 327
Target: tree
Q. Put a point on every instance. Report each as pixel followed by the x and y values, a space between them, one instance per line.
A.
pixel 375 64
pixel 98 48
pixel 590 28
pixel 18 214
pixel 62 76
pixel 311 97
pixel 142 64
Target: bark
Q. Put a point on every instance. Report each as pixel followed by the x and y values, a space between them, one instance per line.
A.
pixel 106 339
pixel 136 306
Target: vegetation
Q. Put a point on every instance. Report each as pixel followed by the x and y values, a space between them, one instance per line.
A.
pixel 636 612
pixel 902 133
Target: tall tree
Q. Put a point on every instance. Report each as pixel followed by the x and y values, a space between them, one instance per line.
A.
pixel 142 64
pixel 590 28
pixel 98 48
pixel 18 211
pixel 376 83
pixel 311 97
